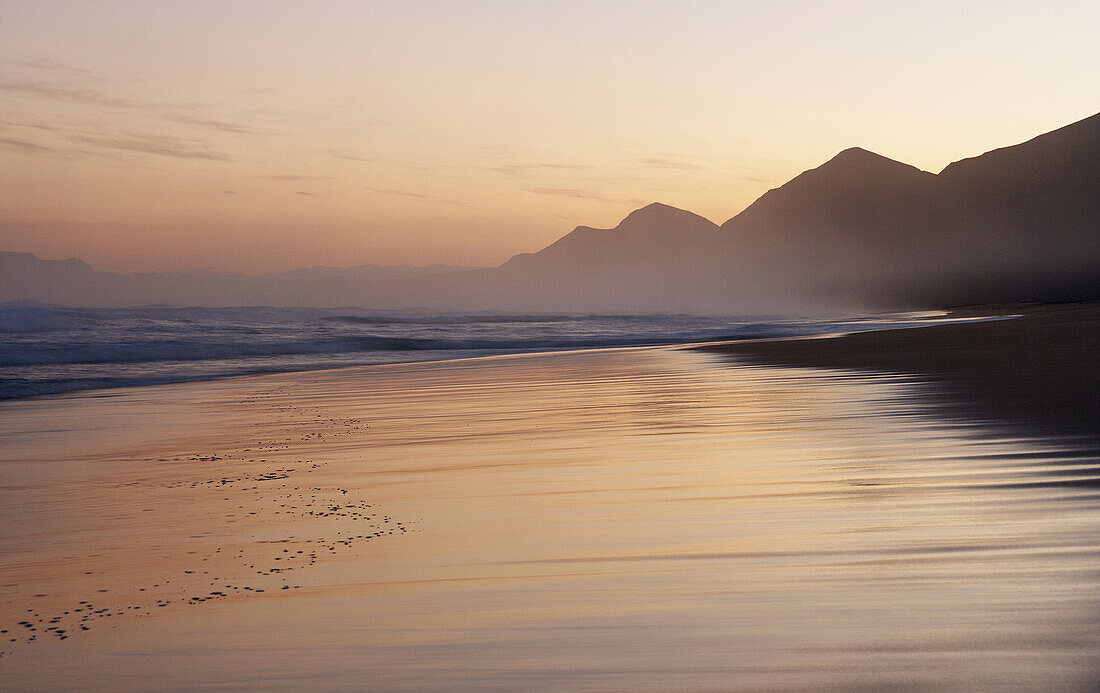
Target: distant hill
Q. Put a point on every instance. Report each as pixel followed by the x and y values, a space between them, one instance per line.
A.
pixel 1020 223
pixel 363 272
pixel 653 235
pixel 25 277
pixel 650 261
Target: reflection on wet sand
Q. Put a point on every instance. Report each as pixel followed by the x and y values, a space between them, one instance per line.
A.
pixel 643 518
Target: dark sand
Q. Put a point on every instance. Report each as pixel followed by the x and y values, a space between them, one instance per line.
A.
pixel 1040 370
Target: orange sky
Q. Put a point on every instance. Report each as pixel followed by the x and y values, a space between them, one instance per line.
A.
pixel 254 135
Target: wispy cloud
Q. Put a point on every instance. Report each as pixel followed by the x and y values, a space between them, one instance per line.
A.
pixel 173 111
pixel 295 178
pixel 668 161
pixel 106 144
pixel 91 97
pixel 582 195
pixel 26 147
pixel 76 85
pixel 303 192
pixel 520 170
pixel 351 156
pixel 153 144
pixel 419 196
pixel 50 65
pixel 33 126
pixel 211 123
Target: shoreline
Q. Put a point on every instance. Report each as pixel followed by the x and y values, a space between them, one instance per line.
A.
pixel 123 384
pixel 298 525
pixel 1039 371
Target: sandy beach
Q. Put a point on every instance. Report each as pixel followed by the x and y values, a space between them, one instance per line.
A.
pixel 1038 368
pixel 628 518
pixel 540 347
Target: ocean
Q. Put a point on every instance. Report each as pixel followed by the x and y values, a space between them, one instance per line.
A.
pixel 50 350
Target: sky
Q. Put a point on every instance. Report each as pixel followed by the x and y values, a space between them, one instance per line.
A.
pixel 259 136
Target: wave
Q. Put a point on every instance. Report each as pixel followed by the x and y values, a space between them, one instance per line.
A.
pixel 180 350
pixel 46 349
pixel 502 319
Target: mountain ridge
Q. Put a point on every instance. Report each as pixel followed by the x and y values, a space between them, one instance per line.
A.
pixel 646 228
pixel 1017 223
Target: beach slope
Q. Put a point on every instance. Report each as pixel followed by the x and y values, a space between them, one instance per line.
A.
pixel 1039 367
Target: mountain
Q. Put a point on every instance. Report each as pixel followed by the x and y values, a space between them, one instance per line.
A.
pixel 363 272
pixel 1015 224
pixel 650 261
pixel 854 215
pixel 24 277
pixel 654 234
pixel 1018 223
pixel 647 263
pixel 861 230
pixel 1025 219
pixel 855 196
pixel 643 264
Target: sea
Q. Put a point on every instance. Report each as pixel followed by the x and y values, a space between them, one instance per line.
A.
pixel 50 350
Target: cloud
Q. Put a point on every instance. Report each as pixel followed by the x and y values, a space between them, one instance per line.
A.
pixel 419 196
pixel 143 143
pixel 303 192
pixel 674 162
pixel 91 97
pixel 103 155
pixel 229 192
pixel 518 170
pixel 153 144
pixel 211 123
pixel 26 147
pixel 582 195
pixel 50 65
pixel 34 126
pixel 351 156
pixel 295 178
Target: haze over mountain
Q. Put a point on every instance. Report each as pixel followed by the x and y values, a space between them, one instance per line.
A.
pixel 1018 223
pixel 74 282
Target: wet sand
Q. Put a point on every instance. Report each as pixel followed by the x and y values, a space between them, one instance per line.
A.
pixel 1040 369
pixel 631 519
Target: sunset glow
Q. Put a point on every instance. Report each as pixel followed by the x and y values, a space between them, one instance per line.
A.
pixel 259 136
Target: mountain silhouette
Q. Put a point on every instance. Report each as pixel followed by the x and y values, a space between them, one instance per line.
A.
pixel 654 234
pixel 847 216
pixel 854 191
pixel 1020 223
pixel 648 262
pixel 1017 223
pixel 1027 215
